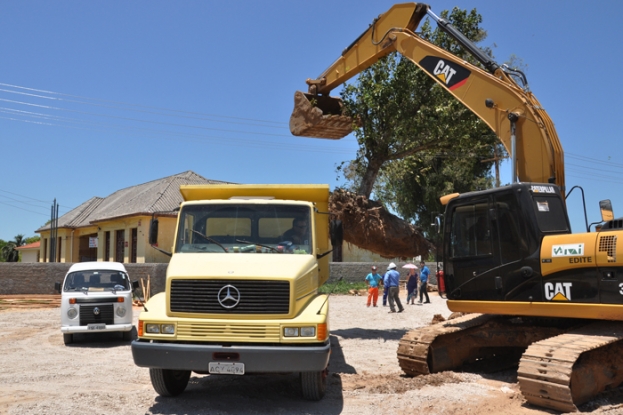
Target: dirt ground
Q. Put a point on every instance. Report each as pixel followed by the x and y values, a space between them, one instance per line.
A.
pixel 96 375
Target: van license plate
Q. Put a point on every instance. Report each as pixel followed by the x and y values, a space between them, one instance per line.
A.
pixel 222 368
pixel 98 326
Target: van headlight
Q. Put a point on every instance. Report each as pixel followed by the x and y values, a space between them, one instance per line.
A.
pixel 72 313
pixel 120 311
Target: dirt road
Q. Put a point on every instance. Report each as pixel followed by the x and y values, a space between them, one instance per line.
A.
pixel 96 375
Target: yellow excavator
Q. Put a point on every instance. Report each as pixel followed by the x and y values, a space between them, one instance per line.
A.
pixel 534 293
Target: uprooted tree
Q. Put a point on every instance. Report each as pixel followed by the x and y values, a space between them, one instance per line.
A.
pixel 370 226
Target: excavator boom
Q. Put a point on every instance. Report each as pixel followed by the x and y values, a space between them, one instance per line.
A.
pixel 511 111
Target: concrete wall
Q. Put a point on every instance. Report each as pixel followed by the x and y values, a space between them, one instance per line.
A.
pixel 39 278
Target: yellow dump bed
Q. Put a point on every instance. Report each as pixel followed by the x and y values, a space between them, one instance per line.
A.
pixel 316 193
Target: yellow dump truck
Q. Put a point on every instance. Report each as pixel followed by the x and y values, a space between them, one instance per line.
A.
pixel 242 285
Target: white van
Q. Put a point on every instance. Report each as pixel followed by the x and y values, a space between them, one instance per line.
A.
pixel 96 297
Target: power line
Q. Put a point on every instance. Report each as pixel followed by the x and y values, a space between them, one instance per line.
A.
pixel 121 105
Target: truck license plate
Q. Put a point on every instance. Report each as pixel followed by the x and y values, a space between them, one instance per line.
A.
pixel 96 326
pixel 222 368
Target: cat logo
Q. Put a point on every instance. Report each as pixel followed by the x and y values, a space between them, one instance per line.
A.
pixel 448 73
pixel 560 291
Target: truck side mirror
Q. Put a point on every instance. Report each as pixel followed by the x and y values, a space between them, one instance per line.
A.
pixel 606 210
pixel 153 232
pixel 57 287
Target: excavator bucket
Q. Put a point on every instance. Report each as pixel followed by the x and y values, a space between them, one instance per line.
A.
pixel 319 116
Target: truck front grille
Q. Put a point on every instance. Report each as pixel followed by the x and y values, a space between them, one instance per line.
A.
pixel 245 296
pixel 199 330
pixel 104 314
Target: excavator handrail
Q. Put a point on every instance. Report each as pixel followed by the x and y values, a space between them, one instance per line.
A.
pixel 507 108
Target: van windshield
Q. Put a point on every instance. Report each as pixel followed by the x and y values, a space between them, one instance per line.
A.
pixel 245 228
pixel 97 280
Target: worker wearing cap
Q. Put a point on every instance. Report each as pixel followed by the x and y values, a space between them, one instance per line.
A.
pixel 392 280
pixel 373 280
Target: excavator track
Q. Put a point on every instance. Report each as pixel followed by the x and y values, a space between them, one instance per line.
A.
pixel 498 340
pixel 567 370
pixel 414 347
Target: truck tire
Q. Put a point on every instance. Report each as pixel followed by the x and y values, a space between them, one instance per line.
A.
pixel 167 382
pixel 314 384
pixel 68 338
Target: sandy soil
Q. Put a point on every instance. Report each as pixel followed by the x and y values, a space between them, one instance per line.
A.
pixel 96 375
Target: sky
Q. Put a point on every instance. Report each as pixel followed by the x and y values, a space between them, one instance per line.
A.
pixel 100 96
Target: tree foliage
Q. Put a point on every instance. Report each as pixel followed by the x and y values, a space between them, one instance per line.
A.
pixel 8 253
pixel 416 141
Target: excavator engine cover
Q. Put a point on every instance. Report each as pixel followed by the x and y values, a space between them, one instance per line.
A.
pixel 319 116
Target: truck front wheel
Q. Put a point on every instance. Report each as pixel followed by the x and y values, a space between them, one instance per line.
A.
pixel 314 384
pixel 68 338
pixel 169 382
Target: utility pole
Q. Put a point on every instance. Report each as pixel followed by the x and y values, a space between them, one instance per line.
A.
pixel 53 231
pixel 497 160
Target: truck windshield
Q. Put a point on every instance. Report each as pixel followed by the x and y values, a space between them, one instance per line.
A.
pixel 245 228
pixel 97 280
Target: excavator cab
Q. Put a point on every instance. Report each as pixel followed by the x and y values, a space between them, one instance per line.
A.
pixel 492 241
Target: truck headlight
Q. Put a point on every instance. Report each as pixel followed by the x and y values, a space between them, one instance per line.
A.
pixel 120 311
pixel 308 331
pixel 291 332
pixel 168 328
pixel 72 313
pixel 152 328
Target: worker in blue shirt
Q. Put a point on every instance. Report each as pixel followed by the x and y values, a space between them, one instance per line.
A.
pixel 391 281
pixel 424 282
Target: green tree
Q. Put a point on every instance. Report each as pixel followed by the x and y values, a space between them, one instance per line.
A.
pixel 8 251
pixel 416 141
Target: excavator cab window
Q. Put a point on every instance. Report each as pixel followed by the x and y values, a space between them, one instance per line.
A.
pixel 511 229
pixel 550 214
pixel 471 231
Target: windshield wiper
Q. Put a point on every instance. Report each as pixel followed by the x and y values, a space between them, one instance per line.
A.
pixel 207 238
pixel 242 241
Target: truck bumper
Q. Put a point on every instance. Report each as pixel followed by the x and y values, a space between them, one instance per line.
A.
pixel 256 358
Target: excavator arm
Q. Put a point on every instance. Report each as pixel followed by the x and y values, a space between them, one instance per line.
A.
pixel 511 111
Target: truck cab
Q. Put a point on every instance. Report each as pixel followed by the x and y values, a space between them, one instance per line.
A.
pixel 241 291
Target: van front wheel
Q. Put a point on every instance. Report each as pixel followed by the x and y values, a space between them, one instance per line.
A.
pixel 167 382
pixel 68 338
